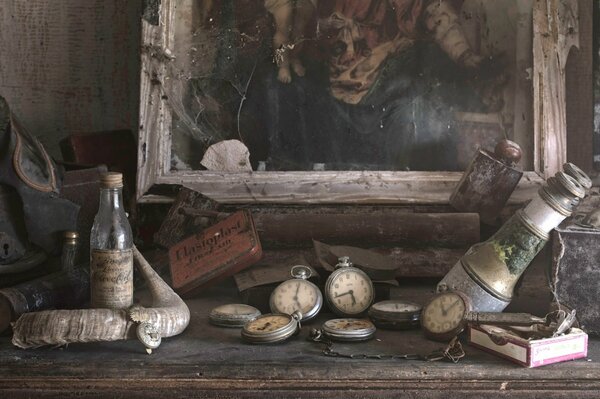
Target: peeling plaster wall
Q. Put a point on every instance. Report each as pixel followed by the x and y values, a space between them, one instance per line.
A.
pixel 70 66
pixel 596 57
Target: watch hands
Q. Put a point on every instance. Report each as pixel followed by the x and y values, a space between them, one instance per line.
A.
pixel 351 292
pixel 453 305
pixel 446 310
pixel 295 298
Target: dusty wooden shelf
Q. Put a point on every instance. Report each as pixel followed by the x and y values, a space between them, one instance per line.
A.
pixel 207 361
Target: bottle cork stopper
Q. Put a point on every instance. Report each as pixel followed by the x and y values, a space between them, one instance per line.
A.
pixel 112 180
pixel 71 237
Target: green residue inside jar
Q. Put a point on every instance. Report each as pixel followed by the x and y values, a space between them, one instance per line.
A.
pixel 515 245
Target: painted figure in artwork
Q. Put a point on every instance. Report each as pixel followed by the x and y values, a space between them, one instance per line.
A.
pixel 290 18
pixel 375 98
pixel 369 32
pixel 356 84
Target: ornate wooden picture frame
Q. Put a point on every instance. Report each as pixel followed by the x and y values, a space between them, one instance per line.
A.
pixel 555 32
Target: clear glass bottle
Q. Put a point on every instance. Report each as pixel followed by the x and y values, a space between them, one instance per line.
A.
pixel 69 254
pixel 111 243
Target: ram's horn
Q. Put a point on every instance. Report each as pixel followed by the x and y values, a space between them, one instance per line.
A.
pixel 167 317
pixel 60 327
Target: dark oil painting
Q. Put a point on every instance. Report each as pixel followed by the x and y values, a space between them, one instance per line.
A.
pixel 392 85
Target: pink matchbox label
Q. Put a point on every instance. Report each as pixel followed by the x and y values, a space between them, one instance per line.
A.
pixel 559 349
pixel 532 353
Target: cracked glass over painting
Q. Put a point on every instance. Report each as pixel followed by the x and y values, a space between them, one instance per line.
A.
pixel 395 85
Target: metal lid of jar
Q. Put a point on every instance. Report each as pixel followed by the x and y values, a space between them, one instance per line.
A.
pixel 563 193
pixel 578 174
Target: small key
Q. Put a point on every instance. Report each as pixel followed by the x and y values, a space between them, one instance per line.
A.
pixel 553 325
pixel 564 322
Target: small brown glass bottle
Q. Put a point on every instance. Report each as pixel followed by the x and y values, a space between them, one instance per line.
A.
pixel 111 243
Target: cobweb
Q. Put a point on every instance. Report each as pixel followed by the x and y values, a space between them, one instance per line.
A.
pixel 208 76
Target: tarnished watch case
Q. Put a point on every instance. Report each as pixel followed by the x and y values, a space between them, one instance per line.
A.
pixel 303 279
pixel 272 337
pixel 395 320
pixel 330 330
pixel 329 284
pixel 220 317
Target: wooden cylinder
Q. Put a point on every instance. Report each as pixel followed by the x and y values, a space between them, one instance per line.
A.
pixel 428 262
pixel 299 229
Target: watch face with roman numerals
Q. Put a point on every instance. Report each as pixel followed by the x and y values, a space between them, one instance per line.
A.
pixel 349 291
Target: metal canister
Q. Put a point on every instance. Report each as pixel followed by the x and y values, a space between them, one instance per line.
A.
pixel 488 182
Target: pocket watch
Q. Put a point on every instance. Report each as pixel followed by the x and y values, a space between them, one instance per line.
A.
pixel 348 329
pixel 297 294
pixel 149 335
pixel 348 290
pixel 443 317
pixel 395 314
pixel 233 315
pixel 272 328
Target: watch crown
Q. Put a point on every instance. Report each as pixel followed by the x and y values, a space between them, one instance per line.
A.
pixel 344 261
pixel 297 315
pixel 301 272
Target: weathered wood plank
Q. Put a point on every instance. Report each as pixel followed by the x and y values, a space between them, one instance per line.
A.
pixel 297 226
pixel 207 361
pixel 152 112
pixel 423 262
pixel 349 225
pixel 305 389
pixel 335 187
pixel 389 227
pixel 555 31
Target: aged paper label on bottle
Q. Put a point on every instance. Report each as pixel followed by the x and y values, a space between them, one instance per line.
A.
pixel 111 278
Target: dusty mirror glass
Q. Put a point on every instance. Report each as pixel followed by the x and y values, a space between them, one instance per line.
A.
pixel 350 84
